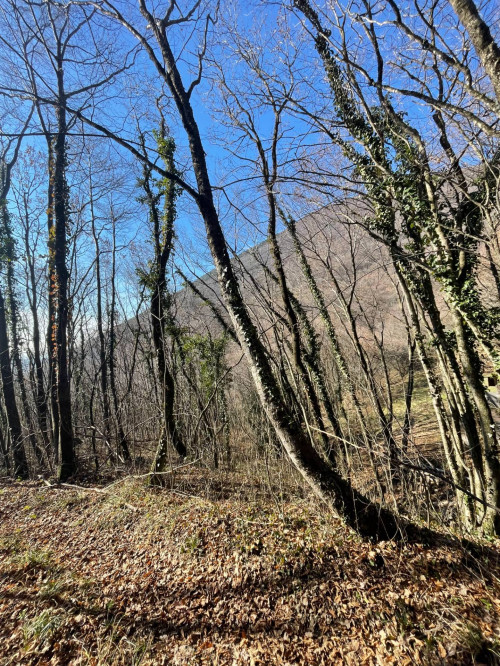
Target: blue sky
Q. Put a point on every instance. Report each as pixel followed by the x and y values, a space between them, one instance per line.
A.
pixel 130 100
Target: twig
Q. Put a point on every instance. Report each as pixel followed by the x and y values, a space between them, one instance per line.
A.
pixel 143 476
pixel 102 491
pixel 431 471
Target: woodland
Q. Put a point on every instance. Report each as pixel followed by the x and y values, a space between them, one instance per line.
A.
pixel 249 332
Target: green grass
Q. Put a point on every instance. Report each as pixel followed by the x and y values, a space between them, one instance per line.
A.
pixel 35 558
pixel 52 589
pixel 42 627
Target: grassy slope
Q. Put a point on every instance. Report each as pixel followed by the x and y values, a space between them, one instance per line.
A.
pixel 85 579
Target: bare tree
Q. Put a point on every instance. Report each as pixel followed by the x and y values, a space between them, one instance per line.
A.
pixel 45 43
pixel 368 518
pixel 20 467
pixel 162 223
pixel 428 240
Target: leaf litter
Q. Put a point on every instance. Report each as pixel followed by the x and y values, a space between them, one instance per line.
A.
pixel 181 580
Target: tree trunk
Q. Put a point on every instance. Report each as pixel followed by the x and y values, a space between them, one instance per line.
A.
pixel 122 440
pixel 64 432
pixel 163 238
pixel 37 376
pixel 52 305
pixel 13 420
pixel 4 445
pixel 410 382
pixel 486 47
pixel 103 365
pixel 367 518
pixel 16 355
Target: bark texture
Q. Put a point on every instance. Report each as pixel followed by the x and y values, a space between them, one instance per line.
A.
pixel 480 34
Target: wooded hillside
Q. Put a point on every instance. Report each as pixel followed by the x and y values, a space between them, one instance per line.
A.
pixel 259 244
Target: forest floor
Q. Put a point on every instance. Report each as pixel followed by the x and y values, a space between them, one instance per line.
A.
pixel 143 576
